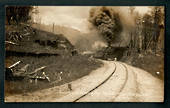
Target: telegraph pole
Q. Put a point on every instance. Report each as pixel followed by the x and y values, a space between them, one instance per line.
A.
pixel 53 28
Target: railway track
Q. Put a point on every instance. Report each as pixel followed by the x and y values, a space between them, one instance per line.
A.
pixel 123 86
pixel 114 82
pixel 97 85
pixel 112 95
pixel 129 91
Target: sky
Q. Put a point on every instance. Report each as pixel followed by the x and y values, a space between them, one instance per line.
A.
pixel 71 16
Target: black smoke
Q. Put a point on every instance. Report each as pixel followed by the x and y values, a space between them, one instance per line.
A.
pixel 107 21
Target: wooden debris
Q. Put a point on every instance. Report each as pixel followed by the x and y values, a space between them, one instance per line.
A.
pixel 37 70
pixel 22 72
pixel 26 34
pixel 24 69
pixel 15 64
pixel 10 42
pixel 46 77
pixel 43 77
pixel 9 74
pixel 32 75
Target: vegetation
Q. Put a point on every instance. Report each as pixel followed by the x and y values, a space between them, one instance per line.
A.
pixel 18 14
pixel 36 48
pixel 147 33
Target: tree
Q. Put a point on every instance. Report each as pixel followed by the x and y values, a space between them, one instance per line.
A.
pixel 18 14
pixel 157 13
pixel 147 30
pixel 151 27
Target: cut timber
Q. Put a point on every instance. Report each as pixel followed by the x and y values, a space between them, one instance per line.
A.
pixel 38 69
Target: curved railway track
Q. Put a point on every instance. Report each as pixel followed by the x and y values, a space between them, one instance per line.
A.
pixel 97 85
pixel 123 86
pixel 101 84
pixel 114 82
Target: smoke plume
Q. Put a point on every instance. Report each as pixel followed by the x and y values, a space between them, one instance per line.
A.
pixel 106 25
pixel 113 23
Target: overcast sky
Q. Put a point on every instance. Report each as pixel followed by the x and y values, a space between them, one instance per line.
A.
pixel 71 16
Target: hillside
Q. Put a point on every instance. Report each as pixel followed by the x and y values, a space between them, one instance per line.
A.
pixel 70 33
pixel 36 49
pixel 35 41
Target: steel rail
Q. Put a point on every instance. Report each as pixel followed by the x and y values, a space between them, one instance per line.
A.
pixel 97 85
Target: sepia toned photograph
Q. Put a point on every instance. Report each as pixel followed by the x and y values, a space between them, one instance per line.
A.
pixel 84 54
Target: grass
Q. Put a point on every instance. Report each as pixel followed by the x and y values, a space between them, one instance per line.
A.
pixel 73 67
pixel 149 62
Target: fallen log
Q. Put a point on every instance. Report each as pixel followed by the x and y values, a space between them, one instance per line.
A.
pixel 15 64
pixel 9 42
pixel 21 72
pixel 37 70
